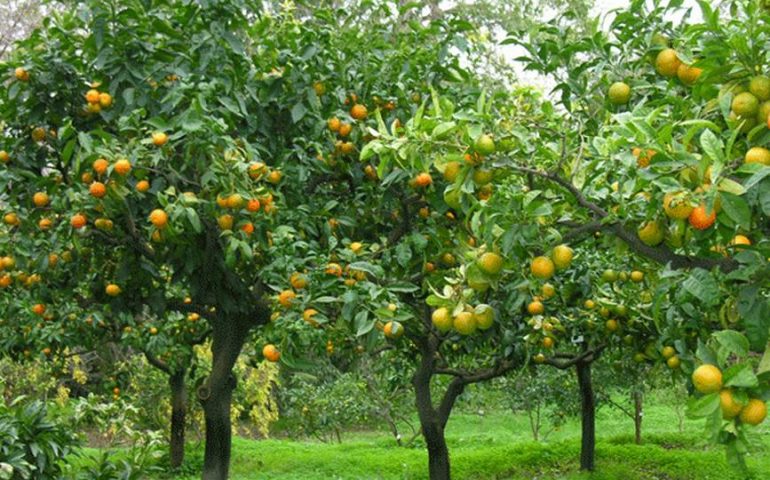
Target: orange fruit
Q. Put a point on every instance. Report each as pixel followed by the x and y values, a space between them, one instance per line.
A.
pixel 759 155
pixel 423 179
pixel 286 297
pixel 78 221
pixel 274 176
pixel 253 205
pixel 347 148
pixel 11 219
pixel 677 205
pixel 745 105
pixel 105 100
pixel 225 222
pixel 667 62
pixel 38 134
pixel 612 325
pixel 159 218
pixel 651 233
pixel 45 224
pixel 688 74
pixel 490 263
pixel 334 269
pixel 643 157
pixel 730 408
pixel 754 413
pixel 142 186
pixel 542 267
pixel 484 145
pixel 40 199
pixel 637 276
pixel 21 74
pixel 393 330
pixel 319 88
pixel 112 290
pixel 92 96
pixel 39 309
pixel 484 315
pixel 562 256
pixel 159 139
pixel 257 169
pixel 548 342
pixel 701 219
pixel 668 352
pixel 441 319
pixel 345 129
pixel 4 156
pixel 298 281
pixel 619 93
pixel 464 323
pixel 122 167
pixel 87 178
pixel 358 111
pixel 5 281
pixel 97 189
pixel 247 228
pixel 334 124
pixel 674 362
pixel 271 353
pixel 536 307
pixel 740 240
pixel 234 201
pixel 100 166
pixel 707 379
pixel 451 171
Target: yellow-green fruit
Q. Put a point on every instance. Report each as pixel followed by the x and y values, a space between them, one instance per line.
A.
pixel 482 176
pixel 451 171
pixel 746 123
pixel 733 88
pixel 485 316
pixel 562 256
pixel 667 62
pixel 485 145
pixel 490 263
pixel 465 323
pixel 441 319
pixel 637 276
pixel 542 267
pixel 758 155
pixel 746 105
pixel 452 198
pixel 677 205
pixel 673 362
pixel 760 87
pixel 651 233
pixel 619 93
pixel 479 285
pixel 730 408
pixel 764 112
pixel 668 352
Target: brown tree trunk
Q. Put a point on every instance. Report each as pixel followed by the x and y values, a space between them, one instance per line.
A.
pixel 216 397
pixel 638 414
pixel 588 418
pixel 178 417
pixel 432 427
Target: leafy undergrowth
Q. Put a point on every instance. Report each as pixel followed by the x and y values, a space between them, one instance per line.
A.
pixel 496 447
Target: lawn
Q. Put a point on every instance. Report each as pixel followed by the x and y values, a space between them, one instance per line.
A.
pixel 498 446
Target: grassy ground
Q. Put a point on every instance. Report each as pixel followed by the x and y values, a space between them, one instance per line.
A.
pixel 498 446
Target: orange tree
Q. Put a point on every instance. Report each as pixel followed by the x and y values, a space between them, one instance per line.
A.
pixel 672 163
pixel 157 161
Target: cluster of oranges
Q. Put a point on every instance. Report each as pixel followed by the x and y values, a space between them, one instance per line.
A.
pixel 96 100
pixel 358 112
pixel 544 267
pixel 707 379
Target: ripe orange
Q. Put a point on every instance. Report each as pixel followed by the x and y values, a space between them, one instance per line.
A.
pixel 536 307
pixel 745 105
pixel 40 199
pixel 87 178
pixel 78 221
pixel 4 156
pixel 38 134
pixel 451 171
pixel 667 62
pixel 39 309
pixel 234 201
pixel 92 96
pixel 11 219
pixel 274 176
pixel 319 88
pixel 464 323
pixel 112 290
pixel 423 179
pixel 759 155
pixel 548 342
pixel 334 269
pixel 637 276
pixel 286 297
pixel 142 186
pixel 105 100
pixel 298 281
pixel 159 218
pixel 247 228
pixel 97 189
pixel 643 157
pixel 253 205
pixel 484 315
pixel 334 124
pixel 45 224
pixel 100 166
pixel 122 167
pixel 345 129
pixel 103 224
pixel 393 330
pixel 21 74
pixel 225 222
pixel 730 408
pixel 740 240
pixel 668 352
pixel 542 267
pixel 347 148
pixel 159 139
pixel 5 281
pixel 271 353
pixel 701 219
pixel 441 319
pixel 612 325
pixel 589 304
pixel 707 379
pixel 490 263
pixel 754 413
pixel 257 169
pixel 688 74
pixel 358 111
pixel 93 108
pixel 619 93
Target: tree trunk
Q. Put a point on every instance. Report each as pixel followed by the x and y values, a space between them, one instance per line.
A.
pixel 178 417
pixel 432 427
pixel 638 414
pixel 588 403
pixel 216 397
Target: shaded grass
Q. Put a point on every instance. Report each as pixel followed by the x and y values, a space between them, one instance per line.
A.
pixel 497 446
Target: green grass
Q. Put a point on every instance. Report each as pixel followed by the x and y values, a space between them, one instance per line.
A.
pixel 499 446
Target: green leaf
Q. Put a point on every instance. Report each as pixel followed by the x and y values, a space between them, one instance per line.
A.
pixel 403 287
pixel 737 209
pixel 375 270
pixel 363 323
pixel 740 375
pixel 403 254
pixel 733 342
pixel 192 216
pixel 440 130
pixel 703 406
pixel 85 142
pixel 702 285
pixel 298 112
pixel 712 146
